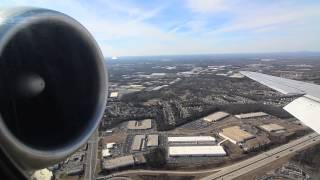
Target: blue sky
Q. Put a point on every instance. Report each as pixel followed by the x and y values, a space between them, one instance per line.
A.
pixel 161 27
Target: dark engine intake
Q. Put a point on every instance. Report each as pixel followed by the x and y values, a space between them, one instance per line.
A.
pixel 53 86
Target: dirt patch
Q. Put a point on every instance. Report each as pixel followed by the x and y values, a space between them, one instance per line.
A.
pixel 115 137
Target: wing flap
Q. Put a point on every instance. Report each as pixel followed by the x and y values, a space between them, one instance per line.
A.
pixel 306 110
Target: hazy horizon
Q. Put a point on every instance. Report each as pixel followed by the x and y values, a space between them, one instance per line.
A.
pixel 300 53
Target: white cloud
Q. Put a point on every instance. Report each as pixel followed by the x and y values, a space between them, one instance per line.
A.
pixel 123 28
pixel 207 6
pixel 103 22
pixel 269 18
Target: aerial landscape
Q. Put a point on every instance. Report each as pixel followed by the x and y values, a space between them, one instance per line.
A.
pixel 160 90
pixel 193 117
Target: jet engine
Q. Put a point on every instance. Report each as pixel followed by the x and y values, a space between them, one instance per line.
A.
pixel 53 87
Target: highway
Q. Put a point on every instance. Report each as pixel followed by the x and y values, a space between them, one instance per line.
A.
pixel 265 158
pixel 243 167
pixel 91 159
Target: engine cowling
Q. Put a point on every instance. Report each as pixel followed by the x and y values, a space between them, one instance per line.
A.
pixel 53 86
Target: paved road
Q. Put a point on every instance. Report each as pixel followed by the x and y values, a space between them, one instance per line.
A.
pixel 240 168
pixel 91 159
pixel 263 159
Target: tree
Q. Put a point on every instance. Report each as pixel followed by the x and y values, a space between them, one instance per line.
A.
pixel 156 158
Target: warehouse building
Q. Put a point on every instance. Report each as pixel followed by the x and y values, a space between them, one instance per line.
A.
pixel 152 140
pixel 137 143
pixel 140 125
pixel 215 116
pixel 273 128
pixel 251 115
pixel 212 150
pixel 118 162
pixel 191 139
pixel 236 135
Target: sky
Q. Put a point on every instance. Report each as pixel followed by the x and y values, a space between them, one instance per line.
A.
pixel 166 27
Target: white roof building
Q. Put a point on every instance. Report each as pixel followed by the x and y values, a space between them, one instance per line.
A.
pixel 196 151
pixel 106 153
pixel 110 145
pixel 251 115
pixel 114 94
pixel 182 139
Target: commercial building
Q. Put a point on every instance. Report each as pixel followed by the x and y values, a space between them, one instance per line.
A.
pixel 152 140
pixel 215 116
pixel 118 162
pixel 251 115
pixel 114 94
pixel 272 128
pixel 137 142
pixel 212 150
pixel 106 152
pixel 140 125
pixel 236 135
pixel 191 139
pixel 110 145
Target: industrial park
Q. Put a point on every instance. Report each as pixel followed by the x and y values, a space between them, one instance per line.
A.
pixel 194 119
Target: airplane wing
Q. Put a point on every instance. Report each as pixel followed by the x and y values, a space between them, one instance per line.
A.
pixel 305 108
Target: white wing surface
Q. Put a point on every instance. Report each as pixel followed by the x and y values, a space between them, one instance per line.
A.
pixel 305 108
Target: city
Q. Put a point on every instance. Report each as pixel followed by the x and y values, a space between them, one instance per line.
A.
pixel 193 117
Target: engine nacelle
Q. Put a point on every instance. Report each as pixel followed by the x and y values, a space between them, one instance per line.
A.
pixel 53 86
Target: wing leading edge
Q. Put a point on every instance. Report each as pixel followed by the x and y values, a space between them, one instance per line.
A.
pixel 305 108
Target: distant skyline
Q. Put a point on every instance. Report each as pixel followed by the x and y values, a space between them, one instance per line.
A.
pixel 168 27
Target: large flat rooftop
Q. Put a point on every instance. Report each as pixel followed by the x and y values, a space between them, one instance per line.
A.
pixel 118 162
pixel 251 115
pixel 137 142
pixel 139 125
pixel 272 127
pixel 196 151
pixel 176 139
pixel 235 134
